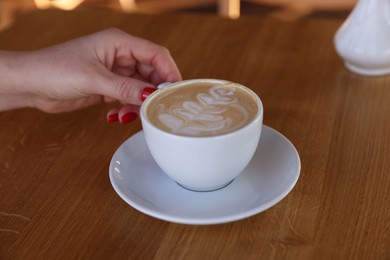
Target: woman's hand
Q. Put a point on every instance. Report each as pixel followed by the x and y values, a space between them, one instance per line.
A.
pixel 109 65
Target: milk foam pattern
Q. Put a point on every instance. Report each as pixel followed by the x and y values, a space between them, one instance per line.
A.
pixel 206 114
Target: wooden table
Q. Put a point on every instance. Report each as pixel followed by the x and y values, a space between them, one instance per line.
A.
pixel 56 200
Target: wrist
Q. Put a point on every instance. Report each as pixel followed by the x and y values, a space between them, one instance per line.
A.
pixel 13 92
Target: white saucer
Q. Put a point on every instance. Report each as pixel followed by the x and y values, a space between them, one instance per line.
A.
pixel 269 177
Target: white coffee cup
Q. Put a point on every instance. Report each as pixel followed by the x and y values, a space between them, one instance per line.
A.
pixel 202 163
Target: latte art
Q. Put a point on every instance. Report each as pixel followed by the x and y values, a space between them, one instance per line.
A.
pixel 207 113
pixel 204 109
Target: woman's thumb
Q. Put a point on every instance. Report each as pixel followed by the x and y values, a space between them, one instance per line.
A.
pixel 127 90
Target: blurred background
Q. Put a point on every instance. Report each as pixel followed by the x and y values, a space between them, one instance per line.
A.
pixel 232 9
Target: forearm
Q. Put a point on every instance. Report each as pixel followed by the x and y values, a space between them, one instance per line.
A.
pixel 12 89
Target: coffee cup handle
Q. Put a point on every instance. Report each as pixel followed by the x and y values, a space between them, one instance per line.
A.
pixel 163 85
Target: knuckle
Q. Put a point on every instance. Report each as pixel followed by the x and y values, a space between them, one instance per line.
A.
pixel 110 33
pixel 112 30
pixel 163 50
pixel 126 91
pixel 162 54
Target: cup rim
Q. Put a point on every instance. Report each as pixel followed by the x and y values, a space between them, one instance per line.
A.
pixel 145 119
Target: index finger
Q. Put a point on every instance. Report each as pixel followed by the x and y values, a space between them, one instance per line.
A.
pixel 152 54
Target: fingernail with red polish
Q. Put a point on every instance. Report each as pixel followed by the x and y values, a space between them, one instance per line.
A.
pixel 112 118
pixel 146 92
pixel 129 117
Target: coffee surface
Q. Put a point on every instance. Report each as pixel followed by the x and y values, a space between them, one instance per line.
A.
pixel 202 109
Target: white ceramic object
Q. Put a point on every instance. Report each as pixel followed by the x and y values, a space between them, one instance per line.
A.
pixel 202 163
pixel 269 177
pixel 363 41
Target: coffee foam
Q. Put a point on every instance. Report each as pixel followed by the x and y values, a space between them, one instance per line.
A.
pixel 203 110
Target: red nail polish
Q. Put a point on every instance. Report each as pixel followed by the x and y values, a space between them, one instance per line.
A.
pixel 129 117
pixel 146 92
pixel 112 118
